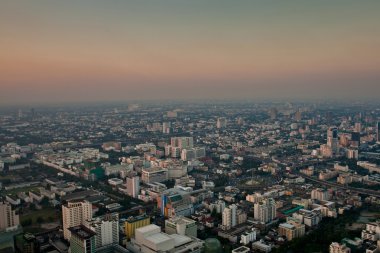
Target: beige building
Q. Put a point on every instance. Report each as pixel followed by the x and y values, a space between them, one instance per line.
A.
pixel 74 214
pixel 339 248
pixel 8 218
pixel 154 174
pixel 181 225
pixel 291 230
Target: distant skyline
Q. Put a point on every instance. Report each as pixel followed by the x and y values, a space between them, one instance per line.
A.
pixel 55 51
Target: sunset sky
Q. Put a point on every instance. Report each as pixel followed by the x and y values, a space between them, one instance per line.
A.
pixel 56 51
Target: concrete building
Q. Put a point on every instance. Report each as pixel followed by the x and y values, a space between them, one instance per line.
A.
pixel 339 248
pixel 182 226
pixel 265 211
pixel 371 231
pixel 291 229
pixel 320 194
pixel 106 229
pixel 175 202
pixel 332 140
pixel 182 142
pixel 221 123
pixel 241 249
pixel 74 214
pixel 82 239
pixel 115 181
pixel 229 217
pixel 154 174
pixel 248 237
pixel 261 247
pixel 133 223
pixel 150 239
pixel 307 217
pixel 218 206
pixel 8 217
pixel 133 186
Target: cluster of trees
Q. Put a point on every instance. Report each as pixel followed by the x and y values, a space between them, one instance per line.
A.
pixel 319 240
pixel 29 221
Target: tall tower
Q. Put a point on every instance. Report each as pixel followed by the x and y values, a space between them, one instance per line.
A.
pixel 133 186
pixel 75 214
pixel 332 140
pixel 8 218
pixel 226 218
pixel 378 131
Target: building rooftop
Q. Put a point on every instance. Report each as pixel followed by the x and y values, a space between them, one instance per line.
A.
pixel 82 232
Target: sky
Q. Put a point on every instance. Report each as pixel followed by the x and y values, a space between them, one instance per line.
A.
pixel 54 51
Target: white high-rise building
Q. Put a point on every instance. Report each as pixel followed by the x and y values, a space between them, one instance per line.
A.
pixel 106 229
pixel 265 211
pixel 8 217
pixel 74 214
pixel 133 186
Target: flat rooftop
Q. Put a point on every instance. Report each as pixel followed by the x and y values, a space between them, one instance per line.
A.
pixel 82 232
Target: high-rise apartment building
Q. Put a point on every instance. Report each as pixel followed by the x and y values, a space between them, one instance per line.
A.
pixel 106 229
pixel 133 186
pixel 75 214
pixel 229 216
pixel 265 210
pixel 8 217
pixel 320 194
pixel 291 229
pixel 82 239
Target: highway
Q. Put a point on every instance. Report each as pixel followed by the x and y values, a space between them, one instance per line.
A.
pixel 343 187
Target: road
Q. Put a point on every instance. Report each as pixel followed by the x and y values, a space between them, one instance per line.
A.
pixel 343 187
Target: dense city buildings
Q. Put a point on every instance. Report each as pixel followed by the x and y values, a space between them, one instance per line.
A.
pixel 157 179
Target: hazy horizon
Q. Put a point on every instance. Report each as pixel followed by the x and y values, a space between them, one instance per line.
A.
pixel 54 52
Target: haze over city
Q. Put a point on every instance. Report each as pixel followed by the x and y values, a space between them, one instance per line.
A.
pixel 89 51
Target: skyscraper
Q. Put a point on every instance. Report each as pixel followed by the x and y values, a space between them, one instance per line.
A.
pixel 378 131
pixel 75 214
pixel 332 140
